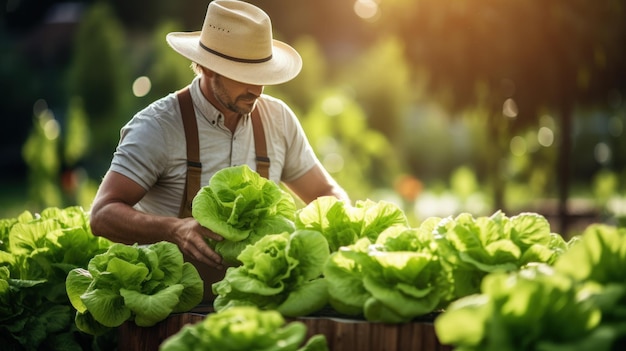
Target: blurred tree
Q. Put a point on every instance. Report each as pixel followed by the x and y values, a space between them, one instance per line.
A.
pixel 359 157
pixel 381 80
pixel 75 138
pixel 20 88
pixel 76 132
pixel 168 70
pixel 302 91
pixel 99 75
pixel 40 152
pixel 514 58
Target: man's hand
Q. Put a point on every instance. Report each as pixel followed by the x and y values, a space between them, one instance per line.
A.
pixel 113 217
pixel 191 237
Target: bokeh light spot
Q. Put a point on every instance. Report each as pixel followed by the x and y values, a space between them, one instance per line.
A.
pixel 545 136
pixel 51 128
pixel 509 108
pixel 602 153
pixel 142 86
pixel 366 9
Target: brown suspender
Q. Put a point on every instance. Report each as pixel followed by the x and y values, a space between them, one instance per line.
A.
pixel 194 166
pixel 262 160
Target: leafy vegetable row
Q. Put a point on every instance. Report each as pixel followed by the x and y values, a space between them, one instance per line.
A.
pixel 37 251
pixel 577 304
pixel 363 260
pixel 501 283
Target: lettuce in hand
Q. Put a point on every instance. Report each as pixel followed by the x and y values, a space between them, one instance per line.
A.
pixel 242 207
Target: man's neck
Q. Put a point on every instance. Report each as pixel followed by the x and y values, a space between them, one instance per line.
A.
pixel 228 114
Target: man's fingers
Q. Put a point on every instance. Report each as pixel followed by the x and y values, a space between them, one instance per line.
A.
pixel 205 255
pixel 209 234
pixel 195 243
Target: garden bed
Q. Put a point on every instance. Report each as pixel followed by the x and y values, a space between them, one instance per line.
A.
pixel 342 334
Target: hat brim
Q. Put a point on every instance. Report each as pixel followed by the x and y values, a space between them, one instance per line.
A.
pixel 284 65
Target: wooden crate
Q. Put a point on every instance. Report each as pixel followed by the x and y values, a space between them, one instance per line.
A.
pixel 355 335
pixel 342 334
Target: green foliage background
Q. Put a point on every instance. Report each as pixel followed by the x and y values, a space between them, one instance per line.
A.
pixel 407 105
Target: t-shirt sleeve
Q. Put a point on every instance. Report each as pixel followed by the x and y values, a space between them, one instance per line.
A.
pixel 300 157
pixel 141 150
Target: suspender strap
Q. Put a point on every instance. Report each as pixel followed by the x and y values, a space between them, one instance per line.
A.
pixel 262 161
pixel 194 166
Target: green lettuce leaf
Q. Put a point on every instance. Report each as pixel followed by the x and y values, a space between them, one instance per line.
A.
pixel 229 250
pixel 343 224
pixel 150 309
pixel 347 294
pixel 144 284
pixel 237 199
pixel 244 328
pixel 597 260
pixel 274 268
pixel 535 308
pixel 474 247
pixel 106 306
pixel 395 279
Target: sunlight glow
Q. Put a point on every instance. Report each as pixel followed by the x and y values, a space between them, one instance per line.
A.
pixel 509 108
pixel 51 129
pixel 545 136
pixel 142 86
pixel 367 9
pixel 49 125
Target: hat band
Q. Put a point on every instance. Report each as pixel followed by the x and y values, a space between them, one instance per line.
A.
pixel 232 58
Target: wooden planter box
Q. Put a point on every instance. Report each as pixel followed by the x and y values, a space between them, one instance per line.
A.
pixel 342 334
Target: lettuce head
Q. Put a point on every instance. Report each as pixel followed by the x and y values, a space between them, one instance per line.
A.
pixel 242 207
pixel 281 272
pixel 243 329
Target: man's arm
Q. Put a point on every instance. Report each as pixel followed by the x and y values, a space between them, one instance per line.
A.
pixel 112 216
pixel 315 183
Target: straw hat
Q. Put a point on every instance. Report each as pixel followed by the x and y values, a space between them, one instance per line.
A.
pixel 236 42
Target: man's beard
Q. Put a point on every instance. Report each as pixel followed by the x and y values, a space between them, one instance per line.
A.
pixel 222 96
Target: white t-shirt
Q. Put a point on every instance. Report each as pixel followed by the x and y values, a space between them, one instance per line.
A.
pixel 152 149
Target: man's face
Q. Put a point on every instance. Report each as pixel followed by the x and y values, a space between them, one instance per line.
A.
pixel 237 97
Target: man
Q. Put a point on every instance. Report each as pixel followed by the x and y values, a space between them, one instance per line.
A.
pixel 234 56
